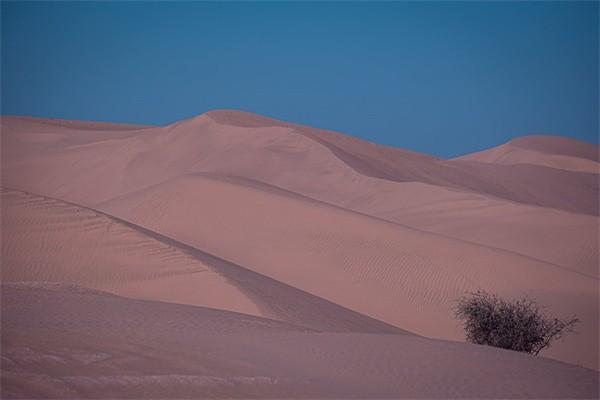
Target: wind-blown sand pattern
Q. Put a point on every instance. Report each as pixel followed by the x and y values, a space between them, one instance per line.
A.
pixel 289 261
pixel 79 246
pixel 132 349
pixel 377 268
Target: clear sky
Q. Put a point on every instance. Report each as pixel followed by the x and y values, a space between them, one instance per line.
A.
pixel 444 78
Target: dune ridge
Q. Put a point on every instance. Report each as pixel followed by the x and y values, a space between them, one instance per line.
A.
pixel 39 122
pixel 406 166
pixel 73 166
pixel 101 168
pixel 232 254
pixel 548 151
pixel 276 142
pixel 372 266
pixel 76 245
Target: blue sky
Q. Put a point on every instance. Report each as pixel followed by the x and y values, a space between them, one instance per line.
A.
pixel 446 78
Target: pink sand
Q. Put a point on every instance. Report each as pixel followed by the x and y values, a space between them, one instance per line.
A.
pixel 233 255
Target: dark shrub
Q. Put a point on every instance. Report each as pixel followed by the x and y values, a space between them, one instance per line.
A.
pixel 519 325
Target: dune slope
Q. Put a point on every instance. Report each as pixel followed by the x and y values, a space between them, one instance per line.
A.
pixel 361 235
pixel 399 275
pixel 528 184
pixel 91 166
pixel 551 151
pixel 47 240
pixel 554 236
pixel 132 348
pixel 275 152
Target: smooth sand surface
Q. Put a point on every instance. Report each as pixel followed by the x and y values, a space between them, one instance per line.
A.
pixel 551 151
pixel 554 236
pixel 314 230
pixel 102 162
pixel 300 159
pixel 126 348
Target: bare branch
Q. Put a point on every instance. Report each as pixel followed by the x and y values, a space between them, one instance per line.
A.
pixel 519 325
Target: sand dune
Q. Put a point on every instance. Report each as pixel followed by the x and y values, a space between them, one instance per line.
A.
pixel 554 236
pixel 559 145
pixel 551 151
pixel 47 240
pixel 288 260
pixel 131 348
pixel 529 184
pixel 50 241
pixel 43 125
pixel 377 268
pixel 90 167
pixel 281 154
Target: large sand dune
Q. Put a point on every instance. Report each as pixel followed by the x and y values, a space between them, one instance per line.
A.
pixel 529 184
pixel 280 154
pixel 314 230
pixel 551 151
pixel 94 165
pixel 375 267
pixel 127 348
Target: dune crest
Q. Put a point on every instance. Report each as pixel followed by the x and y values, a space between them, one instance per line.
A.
pixel 372 266
pixel 549 151
pixel 393 184
pixel 257 147
pixel 312 228
pixel 46 240
pixel 80 246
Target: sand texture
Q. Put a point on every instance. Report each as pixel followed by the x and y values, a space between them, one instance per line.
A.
pixel 235 255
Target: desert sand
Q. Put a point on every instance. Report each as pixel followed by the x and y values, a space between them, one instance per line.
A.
pixel 234 255
pixel 145 349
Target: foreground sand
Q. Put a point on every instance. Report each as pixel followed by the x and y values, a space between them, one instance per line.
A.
pixel 70 342
pixel 277 260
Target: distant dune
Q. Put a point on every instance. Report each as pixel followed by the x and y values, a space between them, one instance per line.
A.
pixel 301 159
pixel 320 238
pixel 92 166
pixel 549 151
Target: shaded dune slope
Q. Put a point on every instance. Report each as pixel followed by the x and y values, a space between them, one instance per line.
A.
pixel 249 143
pixel 529 184
pixel 48 240
pixel 131 348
